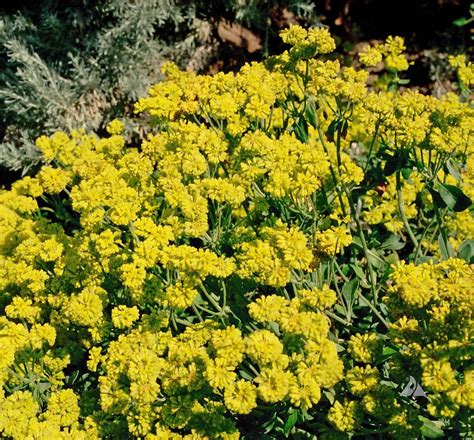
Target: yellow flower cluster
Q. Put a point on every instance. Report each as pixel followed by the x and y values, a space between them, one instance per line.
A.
pixel 384 209
pixel 437 327
pixel 318 366
pixel 202 284
pixel 464 69
pixel 306 44
pixel 365 348
pixel 333 240
pixel 157 381
pixel 391 52
pixel 271 258
pixel 291 167
pixel 432 307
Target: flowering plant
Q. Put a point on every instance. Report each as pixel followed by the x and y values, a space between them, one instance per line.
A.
pixel 281 252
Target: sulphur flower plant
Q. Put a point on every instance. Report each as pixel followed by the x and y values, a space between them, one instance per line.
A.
pixel 282 251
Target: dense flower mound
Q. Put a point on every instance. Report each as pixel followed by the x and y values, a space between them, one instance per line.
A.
pixel 277 257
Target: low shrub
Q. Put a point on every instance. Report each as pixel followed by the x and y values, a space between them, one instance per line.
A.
pixel 286 254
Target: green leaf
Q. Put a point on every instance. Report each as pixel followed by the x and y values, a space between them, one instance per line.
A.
pixel 466 251
pixel 345 125
pixel 375 259
pixel 461 22
pixel 453 197
pixel 431 428
pixel 275 327
pixel 358 270
pixel 269 426
pixel 245 375
pixel 330 395
pixel 445 248
pixel 43 386
pixel 406 173
pixel 356 242
pixel 301 129
pixel 437 200
pixel 360 274
pixel 390 165
pixel 393 243
pixel 392 258
pixel 387 353
pixel 340 310
pixel 332 129
pixel 453 170
pixel 349 290
pixel 311 114
pixel 290 421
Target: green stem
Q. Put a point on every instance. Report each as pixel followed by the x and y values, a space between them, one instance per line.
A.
pixel 340 272
pixel 331 168
pixel 214 303
pixel 338 150
pixel 339 294
pixel 372 144
pixel 444 234
pixel 337 318
pixel 425 253
pixel 372 274
pixel 418 248
pixel 401 208
pixel 224 291
pixel 196 311
pixel 205 309
pixel 173 320
pixel 374 309
pixel 182 321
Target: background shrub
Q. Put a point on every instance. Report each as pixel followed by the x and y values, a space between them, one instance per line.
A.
pixel 80 63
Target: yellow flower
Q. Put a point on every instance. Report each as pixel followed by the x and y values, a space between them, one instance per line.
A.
pixel 370 56
pixel 365 348
pixel 322 39
pixel 442 406
pixel 39 334
pixel 133 276
pixel 414 284
pixel 273 384
pixel 180 295
pixel 438 375
pixel 268 308
pixel 124 317
pixel 345 416
pixel 392 49
pixel 53 180
pixel 94 358
pixel 293 35
pixel 362 379
pixel 240 397
pixel 115 127
pixel 228 345
pixel 63 408
pixel 380 401
pixel 219 373
pixel 86 307
pixel 21 308
pixel 263 347
pixel 16 411
pixel 465 69
pixel 333 240
pixel 305 391
pixel 322 298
